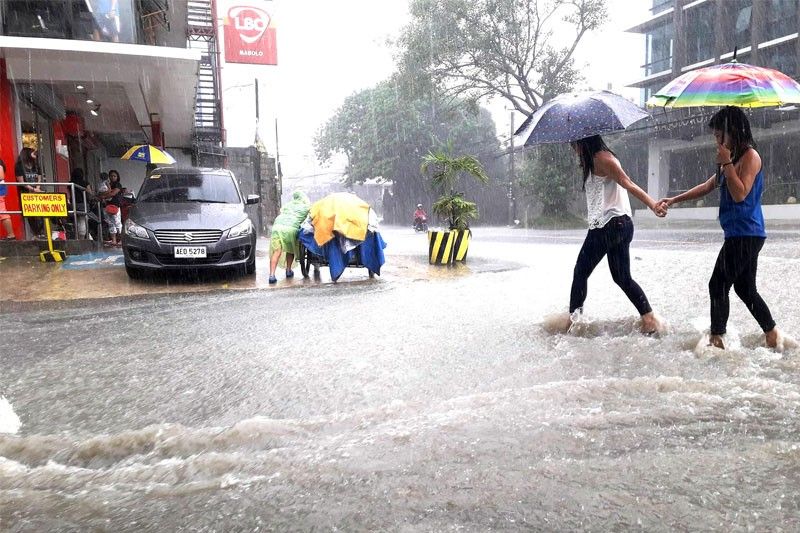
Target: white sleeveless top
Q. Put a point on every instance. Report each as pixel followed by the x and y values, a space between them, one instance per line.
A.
pixel 605 199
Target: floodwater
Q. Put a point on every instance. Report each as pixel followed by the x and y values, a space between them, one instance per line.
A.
pixel 410 403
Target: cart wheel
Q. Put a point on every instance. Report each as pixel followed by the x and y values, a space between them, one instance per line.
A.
pixel 303 260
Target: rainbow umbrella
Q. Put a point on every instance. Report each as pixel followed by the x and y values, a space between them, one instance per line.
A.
pixel 734 84
pixel 148 153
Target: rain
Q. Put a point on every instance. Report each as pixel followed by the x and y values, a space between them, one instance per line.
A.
pixel 413 265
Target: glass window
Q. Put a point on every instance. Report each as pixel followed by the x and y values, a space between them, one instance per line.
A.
pixel 181 188
pixel 738 18
pixel 98 20
pixel 700 32
pixel 659 49
pixel 661 5
pixel 35 18
pixel 780 18
pixel 781 57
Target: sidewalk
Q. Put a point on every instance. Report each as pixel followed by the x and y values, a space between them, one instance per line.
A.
pixel 98 275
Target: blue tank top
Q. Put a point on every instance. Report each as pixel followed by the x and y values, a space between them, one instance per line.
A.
pixel 742 219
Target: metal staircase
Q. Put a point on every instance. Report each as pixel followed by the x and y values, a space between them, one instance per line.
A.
pixel 208 134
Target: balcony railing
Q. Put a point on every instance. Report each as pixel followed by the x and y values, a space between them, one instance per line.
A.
pixel 120 21
pixel 659 65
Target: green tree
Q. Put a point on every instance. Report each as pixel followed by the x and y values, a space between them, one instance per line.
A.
pixel 549 174
pixel 498 48
pixel 520 50
pixel 386 130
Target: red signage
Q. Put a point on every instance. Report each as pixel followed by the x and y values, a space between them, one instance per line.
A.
pixel 250 36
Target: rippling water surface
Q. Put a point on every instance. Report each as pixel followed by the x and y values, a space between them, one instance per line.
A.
pixel 414 403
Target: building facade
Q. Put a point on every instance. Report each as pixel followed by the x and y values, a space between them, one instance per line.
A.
pixel 676 150
pixel 83 80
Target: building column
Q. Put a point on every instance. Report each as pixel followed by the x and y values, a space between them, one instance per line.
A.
pixel 657 169
pixel 9 137
pixel 678 39
pixel 719 31
pixel 757 17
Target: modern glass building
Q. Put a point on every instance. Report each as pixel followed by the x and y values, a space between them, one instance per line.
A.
pixel 675 151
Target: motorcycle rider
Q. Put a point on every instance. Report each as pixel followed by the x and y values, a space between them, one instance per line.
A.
pixel 420 216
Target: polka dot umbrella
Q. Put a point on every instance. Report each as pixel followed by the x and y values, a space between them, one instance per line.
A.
pixel 572 116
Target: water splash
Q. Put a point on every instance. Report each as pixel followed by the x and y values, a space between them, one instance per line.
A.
pixel 9 421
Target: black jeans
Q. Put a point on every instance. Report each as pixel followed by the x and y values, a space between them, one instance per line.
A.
pixel 613 240
pixel 736 266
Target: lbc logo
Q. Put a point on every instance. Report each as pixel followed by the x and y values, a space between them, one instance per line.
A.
pixel 250 22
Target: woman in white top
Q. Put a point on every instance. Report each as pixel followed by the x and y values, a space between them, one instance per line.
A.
pixel 610 226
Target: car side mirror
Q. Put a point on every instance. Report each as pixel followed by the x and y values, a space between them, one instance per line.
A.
pixel 253 199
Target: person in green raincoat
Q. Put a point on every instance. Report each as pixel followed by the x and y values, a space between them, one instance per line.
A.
pixel 283 242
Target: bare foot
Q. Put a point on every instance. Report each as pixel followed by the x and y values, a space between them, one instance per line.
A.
pixel 716 341
pixel 772 338
pixel 649 324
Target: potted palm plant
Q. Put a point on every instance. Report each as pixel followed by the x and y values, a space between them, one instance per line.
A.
pixel 446 171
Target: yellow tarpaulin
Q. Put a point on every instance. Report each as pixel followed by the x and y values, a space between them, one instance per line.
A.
pixel 342 212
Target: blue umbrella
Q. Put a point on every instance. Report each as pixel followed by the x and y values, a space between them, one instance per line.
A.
pixel 572 116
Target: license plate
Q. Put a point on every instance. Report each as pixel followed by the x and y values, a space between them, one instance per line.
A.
pixel 189 251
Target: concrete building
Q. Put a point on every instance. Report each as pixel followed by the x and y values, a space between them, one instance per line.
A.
pixel 675 151
pixel 83 80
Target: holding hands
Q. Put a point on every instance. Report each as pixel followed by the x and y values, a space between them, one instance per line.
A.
pixel 660 209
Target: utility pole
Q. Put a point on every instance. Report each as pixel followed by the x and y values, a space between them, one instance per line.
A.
pixel 257 170
pixel 511 178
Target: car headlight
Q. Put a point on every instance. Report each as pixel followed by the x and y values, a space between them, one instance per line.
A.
pixel 135 230
pixel 241 230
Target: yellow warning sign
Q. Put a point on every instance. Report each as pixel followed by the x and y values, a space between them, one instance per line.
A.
pixel 44 204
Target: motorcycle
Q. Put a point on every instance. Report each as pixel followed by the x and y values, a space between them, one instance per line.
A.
pixel 420 224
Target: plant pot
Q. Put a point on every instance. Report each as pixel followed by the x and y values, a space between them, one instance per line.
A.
pixel 461 244
pixel 440 247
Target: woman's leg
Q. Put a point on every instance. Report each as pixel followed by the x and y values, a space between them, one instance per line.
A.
pixel 719 287
pixel 745 287
pixel 619 263
pixel 594 248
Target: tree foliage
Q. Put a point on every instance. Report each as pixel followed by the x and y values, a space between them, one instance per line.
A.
pixel 520 50
pixel 386 130
pixel 549 175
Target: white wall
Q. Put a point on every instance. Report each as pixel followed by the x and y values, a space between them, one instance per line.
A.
pixel 790 212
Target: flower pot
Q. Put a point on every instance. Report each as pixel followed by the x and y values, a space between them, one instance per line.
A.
pixel 461 244
pixel 440 247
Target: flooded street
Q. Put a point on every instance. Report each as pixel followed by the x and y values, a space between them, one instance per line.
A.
pixel 416 402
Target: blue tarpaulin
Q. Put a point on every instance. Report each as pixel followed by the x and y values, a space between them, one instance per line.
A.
pixel 369 253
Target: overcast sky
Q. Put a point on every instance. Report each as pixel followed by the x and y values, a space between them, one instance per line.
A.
pixel 329 50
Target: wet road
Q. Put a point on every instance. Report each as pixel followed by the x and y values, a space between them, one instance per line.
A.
pixel 432 400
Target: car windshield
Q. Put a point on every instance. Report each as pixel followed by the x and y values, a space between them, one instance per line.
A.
pixel 181 188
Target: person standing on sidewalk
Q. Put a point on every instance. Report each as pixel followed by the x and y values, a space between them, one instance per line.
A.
pixel 110 191
pixel 5 219
pixel 740 181
pixel 29 175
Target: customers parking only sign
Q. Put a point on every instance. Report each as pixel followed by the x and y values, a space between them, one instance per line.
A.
pixel 250 35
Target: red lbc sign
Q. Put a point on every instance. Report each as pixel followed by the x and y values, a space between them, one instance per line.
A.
pixel 250 37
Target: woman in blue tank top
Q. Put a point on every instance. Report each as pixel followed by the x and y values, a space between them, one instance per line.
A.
pixel 741 182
